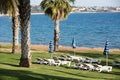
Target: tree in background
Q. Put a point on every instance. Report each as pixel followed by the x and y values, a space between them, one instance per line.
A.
pixel 10 7
pixel 57 10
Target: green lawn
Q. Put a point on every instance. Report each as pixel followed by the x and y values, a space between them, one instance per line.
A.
pixel 9 69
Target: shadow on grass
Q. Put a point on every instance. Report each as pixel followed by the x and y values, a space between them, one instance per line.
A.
pixel 28 75
pixel 87 76
pixel 114 56
pixel 90 54
pixel 23 75
pixel 14 65
pixel 117 73
pixel 75 74
pixel 114 73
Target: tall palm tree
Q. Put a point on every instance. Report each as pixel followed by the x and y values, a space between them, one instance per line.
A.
pixel 11 7
pixel 57 10
pixel 15 30
pixel 24 10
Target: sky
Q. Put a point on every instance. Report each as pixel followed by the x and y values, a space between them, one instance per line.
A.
pixel 88 2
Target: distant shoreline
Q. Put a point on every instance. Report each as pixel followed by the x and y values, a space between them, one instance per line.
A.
pixel 36 13
pixel 77 12
pixel 70 13
pixel 2 15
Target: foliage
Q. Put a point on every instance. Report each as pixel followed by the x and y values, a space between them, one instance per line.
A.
pixel 56 9
pixel 9 6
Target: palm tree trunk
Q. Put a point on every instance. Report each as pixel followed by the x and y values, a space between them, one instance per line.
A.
pixel 25 60
pixel 56 35
pixel 15 28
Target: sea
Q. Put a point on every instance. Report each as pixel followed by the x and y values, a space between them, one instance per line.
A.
pixel 90 30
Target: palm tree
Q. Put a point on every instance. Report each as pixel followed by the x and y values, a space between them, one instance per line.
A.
pixel 57 10
pixel 24 10
pixel 11 7
pixel 15 28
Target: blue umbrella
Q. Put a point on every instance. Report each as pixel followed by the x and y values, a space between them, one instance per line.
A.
pixel 51 48
pixel 106 51
pixel 74 44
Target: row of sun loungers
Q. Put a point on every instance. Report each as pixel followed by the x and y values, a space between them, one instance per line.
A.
pixel 79 63
pixel 92 67
pixel 80 59
pixel 52 62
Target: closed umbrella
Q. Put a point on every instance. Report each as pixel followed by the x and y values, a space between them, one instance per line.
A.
pixel 106 51
pixel 51 48
pixel 74 45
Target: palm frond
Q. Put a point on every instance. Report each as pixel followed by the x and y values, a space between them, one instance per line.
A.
pixel 56 9
pixel 9 6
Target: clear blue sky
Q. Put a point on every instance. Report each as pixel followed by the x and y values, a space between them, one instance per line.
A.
pixel 88 2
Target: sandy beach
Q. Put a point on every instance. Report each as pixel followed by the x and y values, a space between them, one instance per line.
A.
pixel 36 47
pixel 68 48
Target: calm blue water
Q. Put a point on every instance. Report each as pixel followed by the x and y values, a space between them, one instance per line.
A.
pixel 90 30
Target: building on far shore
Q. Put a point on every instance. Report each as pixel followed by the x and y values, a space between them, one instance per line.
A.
pixel 95 9
pixel 37 9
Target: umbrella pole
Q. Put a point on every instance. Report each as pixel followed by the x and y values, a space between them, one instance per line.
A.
pixel 106 60
pixel 51 56
pixel 74 51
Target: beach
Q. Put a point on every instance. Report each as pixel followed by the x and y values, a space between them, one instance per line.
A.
pixel 34 47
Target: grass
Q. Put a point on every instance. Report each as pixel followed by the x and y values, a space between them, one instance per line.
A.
pixel 9 69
